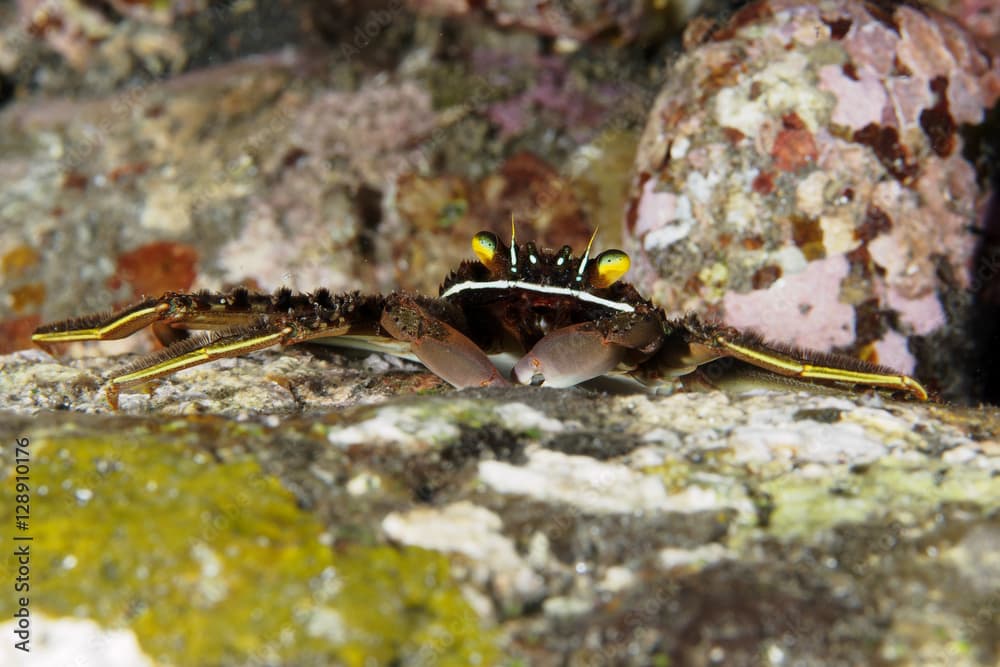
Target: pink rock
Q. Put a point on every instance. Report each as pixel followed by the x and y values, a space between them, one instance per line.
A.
pixel 922 315
pixel 802 308
pixel 859 102
pixel 893 351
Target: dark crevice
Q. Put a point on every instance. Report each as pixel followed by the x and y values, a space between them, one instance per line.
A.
pixel 981 146
pixel 7 88
pixel 368 204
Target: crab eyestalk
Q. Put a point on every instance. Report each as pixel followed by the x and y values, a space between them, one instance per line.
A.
pixel 491 252
pixel 607 268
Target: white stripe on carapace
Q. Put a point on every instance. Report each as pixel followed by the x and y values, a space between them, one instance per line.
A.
pixel 532 287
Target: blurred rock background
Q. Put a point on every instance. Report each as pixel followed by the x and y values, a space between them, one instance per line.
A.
pixel 177 145
pixel 182 145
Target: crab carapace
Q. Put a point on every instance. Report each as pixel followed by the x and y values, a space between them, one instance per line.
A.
pixel 566 318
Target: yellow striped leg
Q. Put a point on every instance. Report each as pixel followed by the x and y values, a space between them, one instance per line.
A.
pixel 120 325
pixel 194 351
pixel 783 363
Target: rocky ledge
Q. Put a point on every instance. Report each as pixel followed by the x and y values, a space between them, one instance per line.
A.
pixel 300 509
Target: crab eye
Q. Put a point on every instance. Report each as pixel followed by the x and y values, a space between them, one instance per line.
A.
pixel 610 266
pixel 485 245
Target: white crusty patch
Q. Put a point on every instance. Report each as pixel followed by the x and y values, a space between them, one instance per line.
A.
pixel 805 441
pixel 666 218
pixel 525 418
pixel 783 85
pixel 472 531
pixel 394 424
pixel 57 642
pixel 705 554
pixel 461 527
pixel 591 486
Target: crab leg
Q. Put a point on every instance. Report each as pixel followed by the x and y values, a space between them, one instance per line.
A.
pixel 441 347
pixel 194 351
pixel 240 322
pixel 703 343
pixel 781 363
pixel 583 351
pixel 199 310
pixel 231 342
pixel 111 326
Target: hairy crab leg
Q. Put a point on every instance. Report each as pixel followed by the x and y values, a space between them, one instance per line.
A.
pixel 261 320
pixel 107 326
pixel 232 342
pixel 581 352
pixel 441 347
pixel 707 342
pixel 783 364
pixel 194 351
pixel 198 310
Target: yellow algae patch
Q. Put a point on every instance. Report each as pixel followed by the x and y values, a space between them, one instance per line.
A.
pixel 402 603
pixel 214 563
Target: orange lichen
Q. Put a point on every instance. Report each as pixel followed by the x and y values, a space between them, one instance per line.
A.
pixel 75 180
pixel 868 353
pixel 733 135
pixel 19 260
pixel 874 223
pixel 127 170
pixel 766 276
pixel 794 147
pixel 15 334
pixel 27 296
pixel 838 27
pixel 937 122
pixel 893 155
pixel 763 183
pixel 156 268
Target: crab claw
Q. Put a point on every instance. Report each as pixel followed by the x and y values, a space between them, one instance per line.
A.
pixel 568 356
pixel 439 346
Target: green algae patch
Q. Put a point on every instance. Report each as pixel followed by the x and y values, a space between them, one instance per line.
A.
pixel 213 563
pixel 401 603
pixel 805 506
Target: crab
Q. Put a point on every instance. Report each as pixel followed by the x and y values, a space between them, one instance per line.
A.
pixel 567 319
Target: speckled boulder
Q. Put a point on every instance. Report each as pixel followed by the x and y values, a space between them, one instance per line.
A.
pixel 801 173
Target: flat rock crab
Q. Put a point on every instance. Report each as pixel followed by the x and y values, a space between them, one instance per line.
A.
pixel 566 318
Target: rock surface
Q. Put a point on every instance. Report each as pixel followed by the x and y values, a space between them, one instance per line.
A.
pixel 306 507
pixel 315 498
